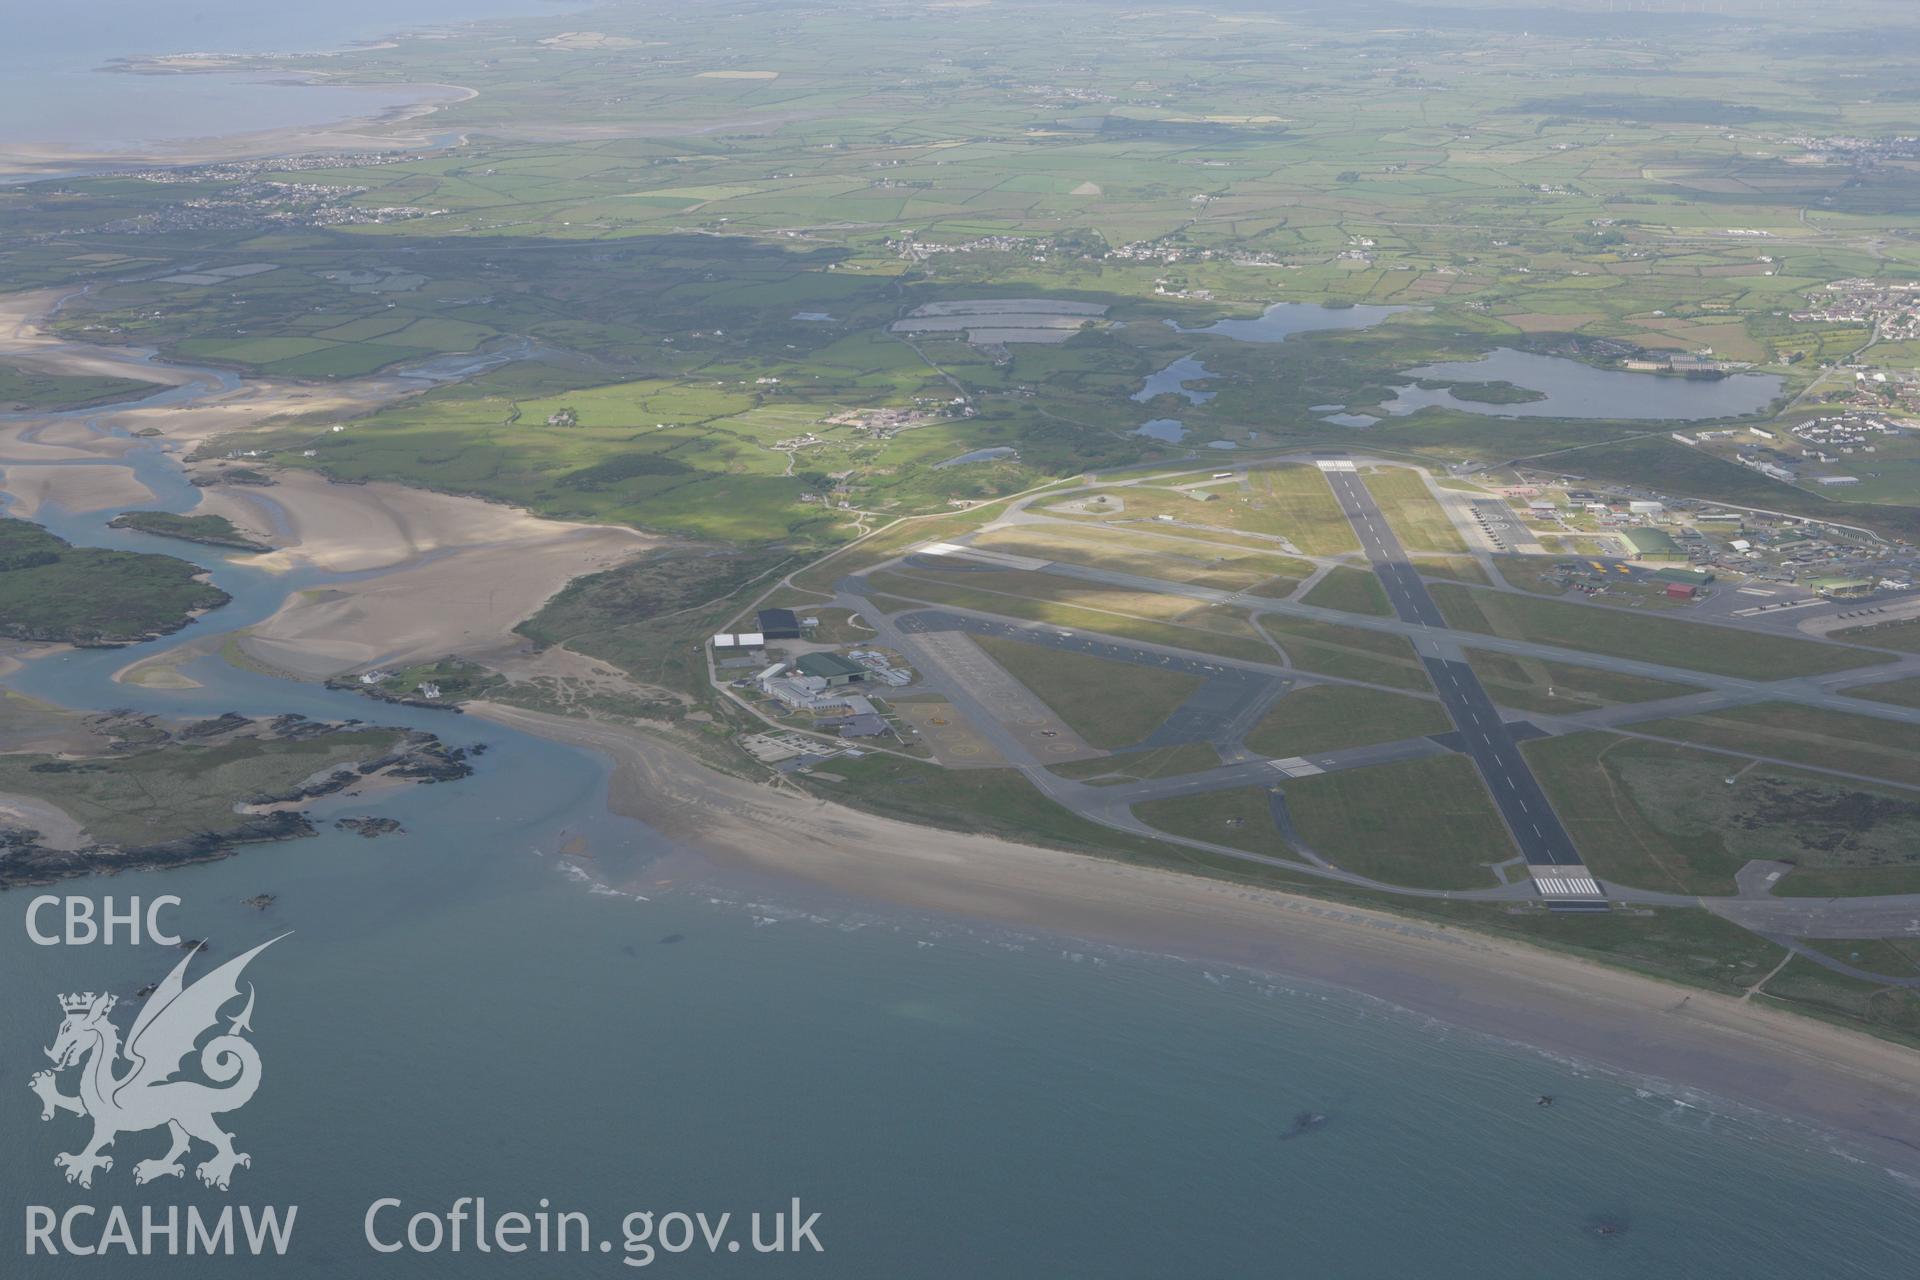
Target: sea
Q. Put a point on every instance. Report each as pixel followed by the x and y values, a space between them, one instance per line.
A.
pixel 56 93
pixel 526 1000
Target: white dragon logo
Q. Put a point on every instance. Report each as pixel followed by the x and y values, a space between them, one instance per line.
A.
pixel 147 1096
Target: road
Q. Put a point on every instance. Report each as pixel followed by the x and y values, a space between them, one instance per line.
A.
pixel 1485 737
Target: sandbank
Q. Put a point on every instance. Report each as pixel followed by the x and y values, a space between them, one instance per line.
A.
pixel 74 487
pixel 449 574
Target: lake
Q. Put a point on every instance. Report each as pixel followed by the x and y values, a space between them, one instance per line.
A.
pixel 1282 320
pixel 1173 380
pixel 1576 390
pixel 1169 430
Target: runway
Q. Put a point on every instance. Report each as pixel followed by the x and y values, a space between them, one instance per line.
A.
pixel 1536 828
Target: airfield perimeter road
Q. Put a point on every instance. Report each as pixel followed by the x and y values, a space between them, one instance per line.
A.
pixel 1535 826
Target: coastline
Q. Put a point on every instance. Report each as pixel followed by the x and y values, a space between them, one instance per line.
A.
pixel 376 130
pixel 1863 1089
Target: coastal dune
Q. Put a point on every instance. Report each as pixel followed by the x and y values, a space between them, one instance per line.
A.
pixel 1864 1089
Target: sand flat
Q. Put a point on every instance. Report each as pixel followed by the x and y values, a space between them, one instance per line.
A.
pixel 75 487
pixel 459 573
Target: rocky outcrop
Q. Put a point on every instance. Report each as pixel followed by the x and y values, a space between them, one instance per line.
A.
pixel 24 861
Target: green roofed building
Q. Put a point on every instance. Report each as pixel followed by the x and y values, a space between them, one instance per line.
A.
pixel 1653 544
pixel 1842 588
pixel 831 667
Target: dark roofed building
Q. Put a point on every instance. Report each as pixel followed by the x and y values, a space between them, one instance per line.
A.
pixel 863 727
pixel 831 667
pixel 779 624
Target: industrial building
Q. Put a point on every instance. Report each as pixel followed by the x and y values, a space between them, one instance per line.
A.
pixel 830 667
pixel 1842 588
pixel 779 624
pixel 862 727
pixel 1653 544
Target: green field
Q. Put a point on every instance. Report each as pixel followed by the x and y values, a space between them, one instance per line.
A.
pixel 1615 633
pixel 1350 591
pixel 1351 653
pixel 1156 619
pixel 1108 703
pixel 1239 817
pixel 1441 831
pixel 1290 502
pixel 1903 635
pixel 1160 762
pixel 1535 684
pixel 1303 509
pixel 1328 717
pixel 1904 693
pixel 1805 735
pixel 29 389
pixel 1165 559
pixel 999 802
pixel 1413 512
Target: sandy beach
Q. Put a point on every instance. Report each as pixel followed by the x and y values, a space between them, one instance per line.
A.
pixel 1865 1089
pixel 455 575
